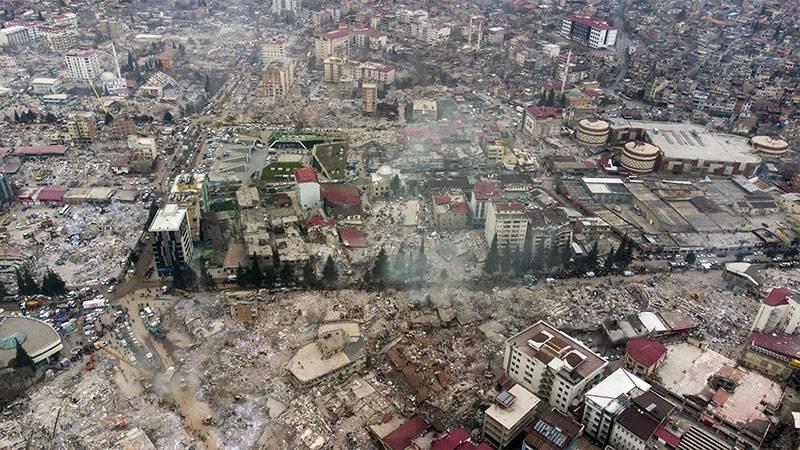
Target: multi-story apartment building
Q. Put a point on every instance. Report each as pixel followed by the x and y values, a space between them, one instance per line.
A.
pixel 278 77
pixel 608 399
pixel 369 97
pixel 552 365
pixel 81 127
pixel 58 37
pixel 273 49
pixel 593 33
pixel 171 237
pixel 83 65
pixel 333 43
pixel 507 222
pixel 482 194
pixel 549 227
pixel 283 6
pixel 511 412
pixel 190 192
pixel 542 121
pixel 142 147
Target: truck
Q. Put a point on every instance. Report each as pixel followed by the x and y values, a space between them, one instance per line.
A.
pixel 96 303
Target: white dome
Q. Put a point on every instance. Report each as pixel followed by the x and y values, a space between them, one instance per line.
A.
pixel 107 76
pixel 384 171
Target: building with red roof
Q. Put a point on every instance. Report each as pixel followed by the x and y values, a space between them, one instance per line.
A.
pixel 308 188
pixel 46 150
pixel 643 355
pixel 352 237
pixel 396 433
pixel 450 210
pixel 776 313
pixel 483 192
pixel 458 439
pixel 51 195
pixel 590 32
pixel 775 354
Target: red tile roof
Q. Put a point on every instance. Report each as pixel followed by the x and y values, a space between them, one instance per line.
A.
pixel 45 150
pixel 306 175
pixel 51 194
pixel 452 440
pixel 783 344
pixel 645 351
pixel 402 437
pixel 592 23
pixel 459 208
pixel 485 190
pixel 544 112
pixel 441 199
pixel 319 221
pixel 777 297
pixel 337 34
pixel 665 435
pixel 352 237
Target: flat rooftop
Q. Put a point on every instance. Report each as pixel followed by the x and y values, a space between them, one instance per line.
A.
pixel 39 339
pixel 620 382
pixel 168 218
pixel 524 402
pixel 557 348
pixel 691 142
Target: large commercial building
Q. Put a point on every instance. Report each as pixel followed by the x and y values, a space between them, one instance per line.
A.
pixel 83 65
pixel 551 364
pixel 508 222
pixel 685 149
pixel 171 237
pixel 595 34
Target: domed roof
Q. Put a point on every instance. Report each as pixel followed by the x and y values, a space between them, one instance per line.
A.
pixel 593 124
pixel 641 148
pixel 770 142
pixel 107 76
pixel 384 171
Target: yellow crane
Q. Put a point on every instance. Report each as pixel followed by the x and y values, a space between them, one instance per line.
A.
pixel 144 375
pixel 91 84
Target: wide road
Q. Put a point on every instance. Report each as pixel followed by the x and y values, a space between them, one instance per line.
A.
pixel 622 45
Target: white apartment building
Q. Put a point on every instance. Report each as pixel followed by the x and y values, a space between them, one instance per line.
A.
pixel 508 222
pixel 552 365
pixel 46 86
pixel 511 412
pixel 593 33
pixel 333 43
pixel 279 6
pixel 171 236
pixel 16 36
pixel 273 49
pixel 142 147
pixel 58 37
pixel 83 65
pixel 606 400
pixel 779 312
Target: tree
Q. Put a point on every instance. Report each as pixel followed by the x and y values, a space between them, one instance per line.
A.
pixel 608 266
pixel 399 263
pixel 22 359
pixel 50 118
pixel 287 274
pixel 551 98
pixel 26 285
pixel 381 266
pixel 309 278
pixel 329 272
pixel 255 276
pixel 167 117
pixel 16 117
pixel 3 291
pixel 207 85
pixel 206 278
pixel 526 257
pixel 52 284
pixel 553 258
pixel 109 118
pixel 395 185
pixel 543 98
pixel 492 263
pixel 241 276
pixel 183 277
pixel 690 258
pixel 422 261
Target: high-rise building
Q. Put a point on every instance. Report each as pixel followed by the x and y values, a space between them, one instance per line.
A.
pixel 190 191
pixel 58 37
pixel 369 97
pixel 483 193
pixel 273 49
pixel 171 237
pixel 595 34
pixel 83 65
pixel 552 365
pixel 278 77
pixel 282 6
pixel 606 400
pixel 508 222
pixel 549 227
pixel 333 43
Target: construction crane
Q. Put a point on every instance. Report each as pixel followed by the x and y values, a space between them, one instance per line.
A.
pixel 144 375
pixel 91 84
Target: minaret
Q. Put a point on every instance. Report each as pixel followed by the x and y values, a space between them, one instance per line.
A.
pixel 480 33
pixel 566 71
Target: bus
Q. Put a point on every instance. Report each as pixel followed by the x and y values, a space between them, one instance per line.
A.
pixel 63 211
